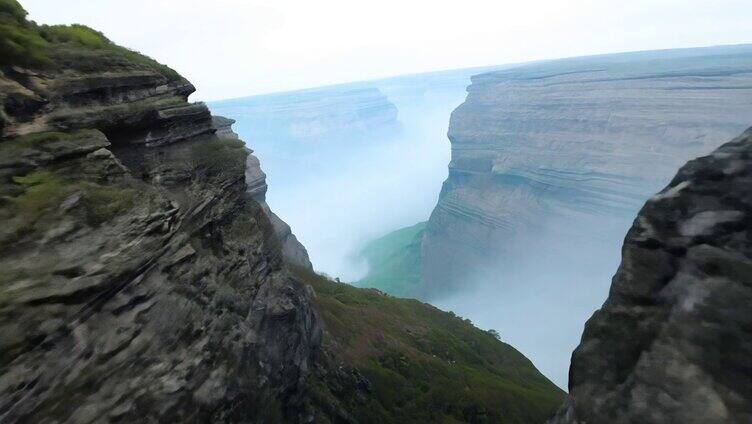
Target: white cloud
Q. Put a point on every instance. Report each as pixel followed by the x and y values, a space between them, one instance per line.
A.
pixel 232 48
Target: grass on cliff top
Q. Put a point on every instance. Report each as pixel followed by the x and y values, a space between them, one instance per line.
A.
pixel 26 44
pixel 394 261
pixel 426 365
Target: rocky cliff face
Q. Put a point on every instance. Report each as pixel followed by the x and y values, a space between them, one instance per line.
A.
pixel 673 340
pixel 578 140
pixel 293 251
pixel 139 279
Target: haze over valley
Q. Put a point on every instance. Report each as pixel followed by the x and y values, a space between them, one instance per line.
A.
pixel 550 162
pixel 363 159
pixel 389 212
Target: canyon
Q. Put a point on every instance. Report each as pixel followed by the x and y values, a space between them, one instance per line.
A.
pixel 376 144
pixel 143 277
pixel 550 163
pixel 148 272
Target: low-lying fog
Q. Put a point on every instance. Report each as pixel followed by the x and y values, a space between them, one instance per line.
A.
pixel 338 189
pixel 539 297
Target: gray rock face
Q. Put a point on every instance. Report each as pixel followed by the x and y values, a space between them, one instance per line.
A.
pixel 672 342
pixel 576 139
pixel 139 281
pixel 223 127
pixel 293 251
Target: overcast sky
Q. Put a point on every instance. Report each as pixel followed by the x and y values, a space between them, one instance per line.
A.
pixel 234 48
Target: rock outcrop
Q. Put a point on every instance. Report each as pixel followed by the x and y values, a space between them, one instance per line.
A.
pixel 139 281
pixel 672 342
pixel 575 140
pixel 294 252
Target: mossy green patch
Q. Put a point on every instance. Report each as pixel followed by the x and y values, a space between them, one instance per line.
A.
pixel 426 365
pixel 42 190
pixel 77 47
pixel 78 34
pixel 103 203
pixel 394 262
pixel 20 41
pixel 13 9
pixel 217 156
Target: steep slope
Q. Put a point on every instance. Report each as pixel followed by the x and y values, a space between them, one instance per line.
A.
pixel 139 280
pixel 673 340
pixel 142 278
pixel 408 362
pixel 292 250
pixel 394 261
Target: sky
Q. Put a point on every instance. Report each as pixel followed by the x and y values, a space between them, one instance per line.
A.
pixel 235 48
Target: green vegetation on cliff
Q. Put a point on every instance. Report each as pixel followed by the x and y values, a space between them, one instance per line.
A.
pixel 27 44
pixel 394 261
pixel 423 364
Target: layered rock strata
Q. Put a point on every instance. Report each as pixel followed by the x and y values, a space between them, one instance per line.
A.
pixel 139 280
pixel 552 147
pixel 294 252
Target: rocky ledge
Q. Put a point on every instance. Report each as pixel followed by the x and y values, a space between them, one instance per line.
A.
pixel 139 280
pixel 673 340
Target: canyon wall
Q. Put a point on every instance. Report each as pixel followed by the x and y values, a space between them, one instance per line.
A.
pixel 318 115
pixel 550 163
pixel 578 138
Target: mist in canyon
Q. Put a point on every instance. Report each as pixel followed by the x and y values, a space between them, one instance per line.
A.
pixel 548 166
pixel 349 163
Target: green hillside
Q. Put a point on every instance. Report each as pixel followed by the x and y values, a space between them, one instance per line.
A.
pixel 424 365
pixel 394 262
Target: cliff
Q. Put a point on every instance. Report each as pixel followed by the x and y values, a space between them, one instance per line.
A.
pixel 672 341
pixel 143 279
pixel 292 250
pixel 550 163
pixel 576 140
pixel 139 280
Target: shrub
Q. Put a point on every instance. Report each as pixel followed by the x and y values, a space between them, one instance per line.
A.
pixel 13 9
pixel 216 155
pixel 103 203
pixel 78 34
pixel 20 43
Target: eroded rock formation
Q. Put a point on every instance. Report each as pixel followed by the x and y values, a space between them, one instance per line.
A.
pixel 320 115
pixel 294 252
pixel 139 279
pixel 672 342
